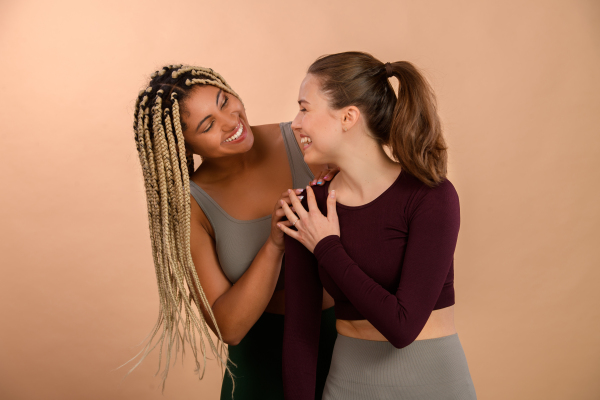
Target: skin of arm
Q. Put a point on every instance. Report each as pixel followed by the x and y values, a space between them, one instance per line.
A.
pixel 236 307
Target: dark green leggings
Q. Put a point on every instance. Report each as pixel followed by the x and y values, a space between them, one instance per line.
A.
pixel 258 359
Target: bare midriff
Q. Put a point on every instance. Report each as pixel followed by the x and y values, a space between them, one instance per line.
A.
pixel 439 324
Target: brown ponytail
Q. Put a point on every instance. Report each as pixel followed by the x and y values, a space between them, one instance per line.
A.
pixel 409 124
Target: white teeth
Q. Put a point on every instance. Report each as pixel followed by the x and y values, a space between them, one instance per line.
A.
pixel 237 134
pixel 305 140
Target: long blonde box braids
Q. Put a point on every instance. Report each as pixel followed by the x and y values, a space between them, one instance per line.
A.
pixel 161 151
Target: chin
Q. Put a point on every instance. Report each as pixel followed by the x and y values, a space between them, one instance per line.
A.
pixel 314 159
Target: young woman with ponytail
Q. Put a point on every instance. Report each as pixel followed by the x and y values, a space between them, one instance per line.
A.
pixel 380 238
pixel 217 251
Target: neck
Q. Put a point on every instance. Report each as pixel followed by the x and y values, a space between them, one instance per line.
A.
pixel 365 168
pixel 224 168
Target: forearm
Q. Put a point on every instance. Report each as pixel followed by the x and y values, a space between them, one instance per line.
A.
pixel 399 316
pixel 238 309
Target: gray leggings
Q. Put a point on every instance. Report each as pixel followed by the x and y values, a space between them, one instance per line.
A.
pixel 432 369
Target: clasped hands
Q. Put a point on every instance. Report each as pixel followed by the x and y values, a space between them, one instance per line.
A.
pixel 311 225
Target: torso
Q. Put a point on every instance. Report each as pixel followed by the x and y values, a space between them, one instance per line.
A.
pixel 252 193
pixel 440 322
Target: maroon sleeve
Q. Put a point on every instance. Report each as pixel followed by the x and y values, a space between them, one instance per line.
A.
pixel 303 299
pixel 432 234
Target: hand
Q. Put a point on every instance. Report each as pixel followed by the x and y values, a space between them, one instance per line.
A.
pixel 276 236
pixel 311 225
pixel 326 174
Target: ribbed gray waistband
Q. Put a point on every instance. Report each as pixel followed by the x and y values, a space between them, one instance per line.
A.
pixel 423 368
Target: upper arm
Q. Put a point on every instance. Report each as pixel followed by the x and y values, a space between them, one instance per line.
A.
pixel 206 262
pixel 433 232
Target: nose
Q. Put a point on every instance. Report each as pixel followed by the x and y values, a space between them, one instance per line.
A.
pixel 297 122
pixel 230 122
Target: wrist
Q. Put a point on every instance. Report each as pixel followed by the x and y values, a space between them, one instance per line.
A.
pixel 273 248
pixel 325 244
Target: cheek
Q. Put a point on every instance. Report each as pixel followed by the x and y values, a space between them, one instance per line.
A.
pixel 203 145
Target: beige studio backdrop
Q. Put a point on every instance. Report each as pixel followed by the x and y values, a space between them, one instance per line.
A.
pixel 518 90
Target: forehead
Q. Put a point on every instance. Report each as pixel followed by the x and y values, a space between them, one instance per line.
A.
pixel 310 86
pixel 310 91
pixel 202 99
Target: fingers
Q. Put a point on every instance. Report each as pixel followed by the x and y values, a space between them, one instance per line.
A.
pixel 278 214
pixel 298 208
pixel 331 210
pixel 288 231
pixel 325 175
pixel 286 193
pixel 331 173
pixel 319 178
pixel 311 200
pixel 286 197
pixel 288 212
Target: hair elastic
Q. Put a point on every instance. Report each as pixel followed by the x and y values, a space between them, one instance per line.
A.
pixel 388 69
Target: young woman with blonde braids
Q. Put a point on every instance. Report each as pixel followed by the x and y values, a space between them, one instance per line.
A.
pixel 380 237
pixel 217 250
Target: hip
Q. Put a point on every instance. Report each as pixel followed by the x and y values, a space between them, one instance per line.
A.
pixel 431 368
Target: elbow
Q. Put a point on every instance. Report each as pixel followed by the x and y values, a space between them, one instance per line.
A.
pixel 229 335
pixel 233 341
pixel 232 338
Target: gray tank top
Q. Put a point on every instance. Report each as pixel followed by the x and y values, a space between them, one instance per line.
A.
pixel 238 241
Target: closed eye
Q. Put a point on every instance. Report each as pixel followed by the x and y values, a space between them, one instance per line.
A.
pixel 225 102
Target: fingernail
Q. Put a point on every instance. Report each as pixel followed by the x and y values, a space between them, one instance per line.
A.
pixel 300 197
pixel 282 202
pixel 314 182
pixel 298 191
pixel 289 190
pixel 320 182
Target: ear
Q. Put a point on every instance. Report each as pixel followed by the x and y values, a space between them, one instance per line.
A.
pixel 349 117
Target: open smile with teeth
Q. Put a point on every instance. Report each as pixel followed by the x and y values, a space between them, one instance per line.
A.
pixel 306 140
pixel 237 134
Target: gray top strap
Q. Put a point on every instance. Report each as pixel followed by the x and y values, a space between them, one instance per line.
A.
pixel 301 174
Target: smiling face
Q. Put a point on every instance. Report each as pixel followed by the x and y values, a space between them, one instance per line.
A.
pixel 319 126
pixel 215 124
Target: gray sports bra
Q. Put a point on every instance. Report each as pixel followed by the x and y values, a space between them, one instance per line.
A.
pixel 239 241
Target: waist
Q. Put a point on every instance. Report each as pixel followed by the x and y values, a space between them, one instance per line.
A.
pixel 439 324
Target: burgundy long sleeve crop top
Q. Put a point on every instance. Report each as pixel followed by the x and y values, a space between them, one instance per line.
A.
pixel 391 265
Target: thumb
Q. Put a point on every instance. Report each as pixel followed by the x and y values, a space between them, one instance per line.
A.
pixel 331 211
